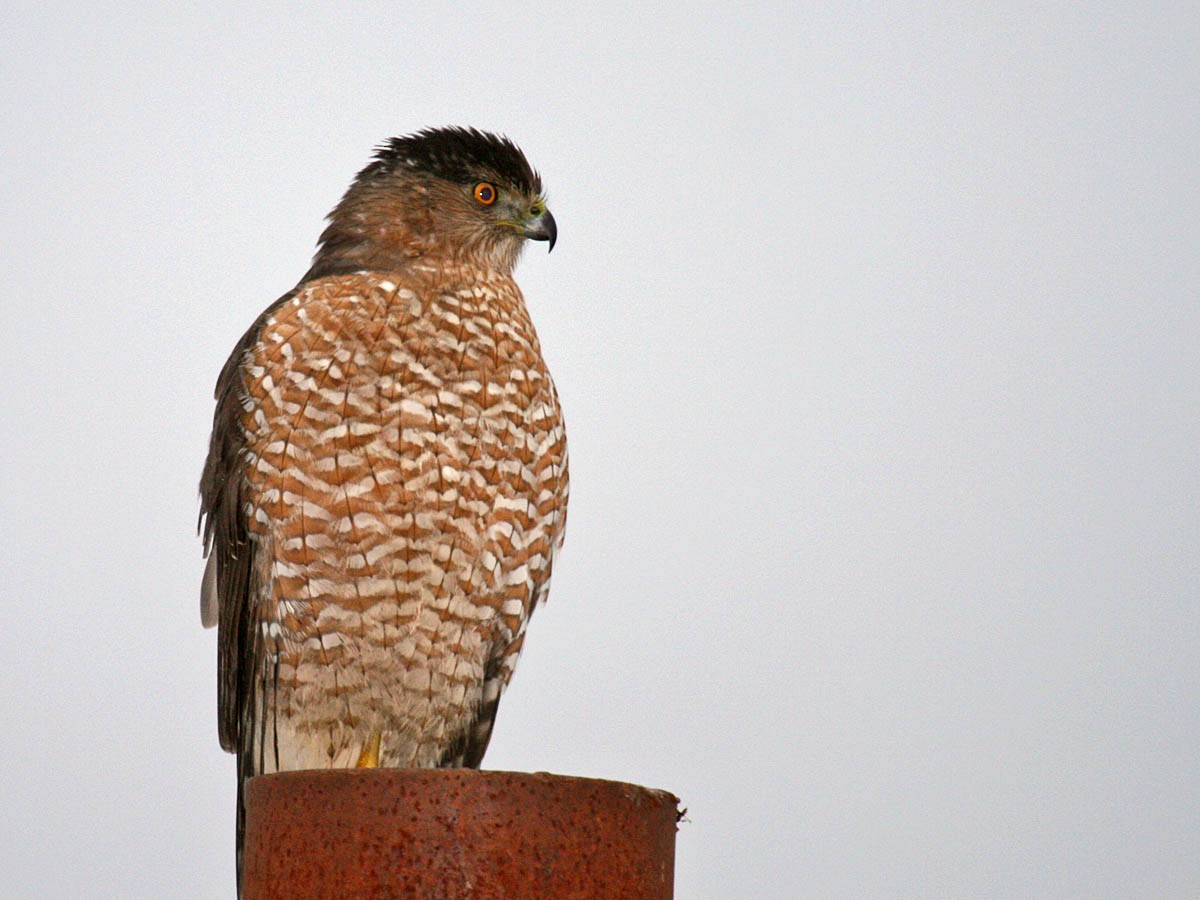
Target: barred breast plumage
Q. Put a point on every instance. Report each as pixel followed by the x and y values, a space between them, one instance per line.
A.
pixel 407 468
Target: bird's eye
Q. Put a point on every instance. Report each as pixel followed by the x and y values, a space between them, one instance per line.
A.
pixel 485 193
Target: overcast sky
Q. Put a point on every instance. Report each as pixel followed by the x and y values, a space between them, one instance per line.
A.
pixel 877 336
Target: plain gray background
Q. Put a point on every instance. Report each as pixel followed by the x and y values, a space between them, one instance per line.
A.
pixel 876 330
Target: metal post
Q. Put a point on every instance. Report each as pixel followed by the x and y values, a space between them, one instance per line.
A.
pixel 456 834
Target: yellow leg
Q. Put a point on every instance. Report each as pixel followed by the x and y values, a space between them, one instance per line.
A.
pixel 369 758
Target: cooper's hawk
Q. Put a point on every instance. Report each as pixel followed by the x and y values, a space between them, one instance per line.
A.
pixel 386 483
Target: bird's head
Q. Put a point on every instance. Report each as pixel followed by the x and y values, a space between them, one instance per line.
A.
pixel 443 194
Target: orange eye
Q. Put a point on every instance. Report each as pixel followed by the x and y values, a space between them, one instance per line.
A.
pixel 485 193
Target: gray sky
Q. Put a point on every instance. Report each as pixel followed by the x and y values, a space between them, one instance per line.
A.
pixel 876 332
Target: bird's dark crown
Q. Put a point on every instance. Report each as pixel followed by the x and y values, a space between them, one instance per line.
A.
pixel 460 155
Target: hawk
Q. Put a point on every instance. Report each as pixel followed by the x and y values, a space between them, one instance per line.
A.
pixel 386 482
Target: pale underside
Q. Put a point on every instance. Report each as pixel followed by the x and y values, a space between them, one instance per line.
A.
pixel 406 481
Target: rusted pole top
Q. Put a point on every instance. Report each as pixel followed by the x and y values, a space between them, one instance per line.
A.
pixel 455 834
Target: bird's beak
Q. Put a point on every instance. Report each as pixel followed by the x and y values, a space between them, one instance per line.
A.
pixel 542 228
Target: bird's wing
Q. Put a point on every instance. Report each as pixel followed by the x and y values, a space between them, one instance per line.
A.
pixel 228 590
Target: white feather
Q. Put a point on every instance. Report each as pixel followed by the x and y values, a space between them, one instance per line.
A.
pixel 209 601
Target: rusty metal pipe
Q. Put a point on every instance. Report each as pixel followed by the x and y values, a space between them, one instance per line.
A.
pixel 455 834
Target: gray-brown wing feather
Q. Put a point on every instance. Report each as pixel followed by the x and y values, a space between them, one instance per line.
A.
pixel 228 589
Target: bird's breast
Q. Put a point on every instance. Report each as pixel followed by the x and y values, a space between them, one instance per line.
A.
pixel 403 458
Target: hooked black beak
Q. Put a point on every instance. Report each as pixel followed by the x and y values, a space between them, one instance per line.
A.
pixel 542 228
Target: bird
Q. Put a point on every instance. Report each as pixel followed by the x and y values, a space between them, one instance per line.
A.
pixel 386 483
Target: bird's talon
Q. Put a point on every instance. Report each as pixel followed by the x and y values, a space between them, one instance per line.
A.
pixel 369 758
